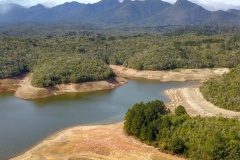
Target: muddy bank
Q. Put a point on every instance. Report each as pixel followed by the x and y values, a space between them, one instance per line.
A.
pixel 107 142
pixel 24 90
pixel 172 75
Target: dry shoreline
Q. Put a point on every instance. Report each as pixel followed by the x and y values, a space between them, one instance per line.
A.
pixel 110 141
pixel 104 142
pixel 24 90
pixel 172 75
pixel 195 104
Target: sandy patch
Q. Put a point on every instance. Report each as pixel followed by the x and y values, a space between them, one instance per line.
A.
pixel 107 142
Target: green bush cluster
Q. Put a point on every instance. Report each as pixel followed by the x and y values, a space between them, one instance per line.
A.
pixel 191 137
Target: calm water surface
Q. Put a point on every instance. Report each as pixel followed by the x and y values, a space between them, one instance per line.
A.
pixel 24 123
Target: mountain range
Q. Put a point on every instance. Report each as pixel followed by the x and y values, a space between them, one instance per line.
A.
pixel 112 12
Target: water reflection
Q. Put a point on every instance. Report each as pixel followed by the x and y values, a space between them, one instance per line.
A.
pixel 69 97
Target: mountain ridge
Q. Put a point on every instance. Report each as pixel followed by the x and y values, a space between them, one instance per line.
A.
pixel 113 12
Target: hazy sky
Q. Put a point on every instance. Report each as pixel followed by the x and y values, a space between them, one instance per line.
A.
pixel 208 4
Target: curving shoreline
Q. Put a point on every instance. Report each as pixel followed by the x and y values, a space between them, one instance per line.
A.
pixel 24 90
pixel 110 141
pixel 170 75
pixel 195 104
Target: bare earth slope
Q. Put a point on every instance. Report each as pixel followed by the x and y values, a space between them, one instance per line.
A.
pixel 164 76
pixel 24 90
pixel 195 104
pixel 107 142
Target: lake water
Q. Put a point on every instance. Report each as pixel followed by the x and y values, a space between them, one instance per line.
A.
pixel 23 123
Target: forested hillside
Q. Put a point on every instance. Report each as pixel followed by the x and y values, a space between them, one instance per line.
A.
pixel 74 56
pixel 191 137
pixel 224 91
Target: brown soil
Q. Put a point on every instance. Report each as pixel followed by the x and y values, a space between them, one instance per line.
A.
pixel 24 90
pixel 107 142
pixel 172 75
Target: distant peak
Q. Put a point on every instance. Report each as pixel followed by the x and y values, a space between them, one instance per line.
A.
pixel 232 10
pixel 38 6
pixel 15 5
pixel 182 1
pixel 184 4
pixel 73 2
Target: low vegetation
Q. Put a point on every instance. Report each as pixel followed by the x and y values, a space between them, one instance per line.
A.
pixel 191 137
pixel 224 91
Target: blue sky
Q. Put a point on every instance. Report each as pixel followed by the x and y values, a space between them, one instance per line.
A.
pixel 208 4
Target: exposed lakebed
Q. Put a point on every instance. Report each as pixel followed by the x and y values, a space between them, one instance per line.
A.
pixel 24 123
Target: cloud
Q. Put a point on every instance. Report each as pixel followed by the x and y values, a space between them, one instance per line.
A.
pixel 49 4
pixel 15 1
pixel 218 4
pixel 214 5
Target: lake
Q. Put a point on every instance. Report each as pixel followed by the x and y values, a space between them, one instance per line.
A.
pixel 24 123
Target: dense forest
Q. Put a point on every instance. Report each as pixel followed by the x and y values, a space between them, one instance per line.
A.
pixel 72 69
pixel 191 137
pixel 42 30
pixel 74 55
pixel 224 91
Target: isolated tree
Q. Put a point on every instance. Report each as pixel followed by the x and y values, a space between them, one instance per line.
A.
pixel 180 110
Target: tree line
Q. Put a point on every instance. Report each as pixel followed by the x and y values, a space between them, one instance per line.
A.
pixel 224 91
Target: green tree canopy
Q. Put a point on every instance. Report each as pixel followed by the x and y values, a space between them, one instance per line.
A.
pixel 180 110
